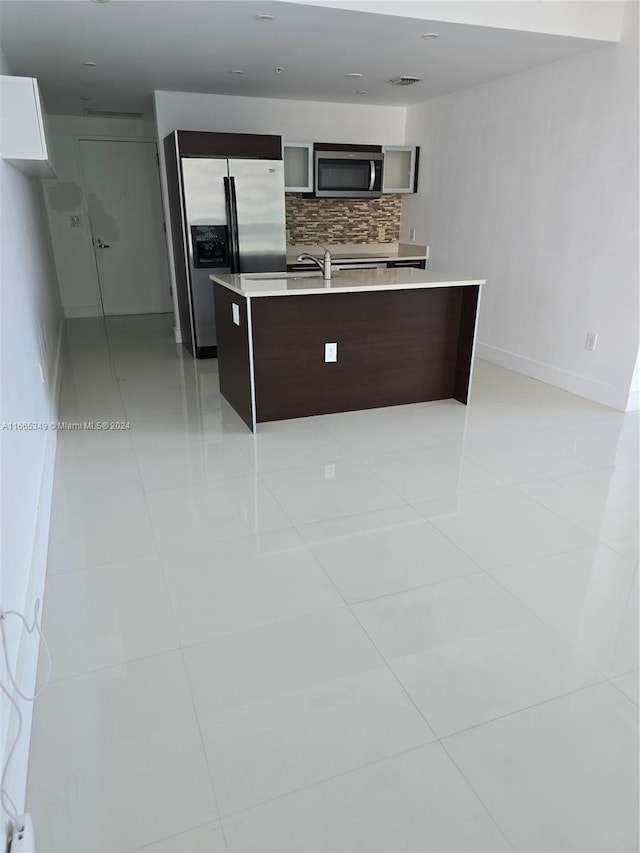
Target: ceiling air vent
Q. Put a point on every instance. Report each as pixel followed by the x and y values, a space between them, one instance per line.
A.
pixel 404 80
pixel 110 114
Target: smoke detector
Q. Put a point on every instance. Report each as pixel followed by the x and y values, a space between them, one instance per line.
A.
pixel 404 80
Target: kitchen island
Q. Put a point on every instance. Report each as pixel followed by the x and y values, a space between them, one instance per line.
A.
pixel 401 336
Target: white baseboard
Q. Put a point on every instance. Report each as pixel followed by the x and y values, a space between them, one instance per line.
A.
pixel 599 392
pixel 57 369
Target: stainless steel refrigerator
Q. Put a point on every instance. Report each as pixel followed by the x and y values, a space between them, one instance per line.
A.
pixel 233 221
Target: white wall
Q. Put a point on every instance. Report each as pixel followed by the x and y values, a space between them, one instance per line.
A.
pixel 301 121
pixel 295 121
pixel 30 326
pixel 65 197
pixel 532 182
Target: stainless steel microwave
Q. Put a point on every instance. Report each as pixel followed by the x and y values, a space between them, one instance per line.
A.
pixel 348 174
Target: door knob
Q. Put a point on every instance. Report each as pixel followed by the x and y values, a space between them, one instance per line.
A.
pixel 102 245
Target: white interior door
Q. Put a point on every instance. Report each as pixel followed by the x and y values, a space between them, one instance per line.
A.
pixel 122 186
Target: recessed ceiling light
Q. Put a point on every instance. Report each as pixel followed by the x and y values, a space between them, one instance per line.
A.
pixel 90 64
pixel 264 18
pixel 278 69
pixel 353 74
pixel 429 36
pixel 100 1
pixel 362 92
pixel 236 71
pixel 86 98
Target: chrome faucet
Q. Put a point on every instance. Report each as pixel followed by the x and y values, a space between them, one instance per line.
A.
pixel 325 264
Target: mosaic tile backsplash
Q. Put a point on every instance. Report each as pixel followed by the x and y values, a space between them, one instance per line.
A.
pixel 343 220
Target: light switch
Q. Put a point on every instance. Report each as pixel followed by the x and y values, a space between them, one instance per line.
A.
pixel 330 352
pixel 235 313
pixel 75 221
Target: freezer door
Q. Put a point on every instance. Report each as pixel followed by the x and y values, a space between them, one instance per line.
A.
pixel 204 190
pixel 259 210
pixel 204 201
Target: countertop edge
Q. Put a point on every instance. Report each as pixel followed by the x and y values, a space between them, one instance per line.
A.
pixel 350 289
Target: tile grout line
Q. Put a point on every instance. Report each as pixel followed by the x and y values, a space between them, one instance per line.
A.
pixel 377 761
pixel 555 479
pixel 324 780
pixel 420 587
pixel 204 750
pixel 582 688
pixel 190 694
pixel 477 796
pixel 439 739
pixel 517 562
pixel 574 649
pixel 180 650
pixel 611 680
pixel 143 847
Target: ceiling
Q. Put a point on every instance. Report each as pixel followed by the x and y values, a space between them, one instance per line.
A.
pixel 180 45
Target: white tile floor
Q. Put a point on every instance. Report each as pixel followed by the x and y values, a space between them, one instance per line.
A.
pixel 405 629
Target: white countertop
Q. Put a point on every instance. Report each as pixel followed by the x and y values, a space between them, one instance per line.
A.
pixel 361 252
pixel 343 281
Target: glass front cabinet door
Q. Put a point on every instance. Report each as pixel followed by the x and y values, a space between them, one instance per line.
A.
pixel 298 167
pixel 400 168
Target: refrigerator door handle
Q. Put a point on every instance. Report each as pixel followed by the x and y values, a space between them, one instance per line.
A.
pixel 232 222
pixel 236 234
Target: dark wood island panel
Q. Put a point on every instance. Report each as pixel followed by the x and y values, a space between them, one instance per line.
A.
pixel 466 338
pixel 234 362
pixel 394 347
